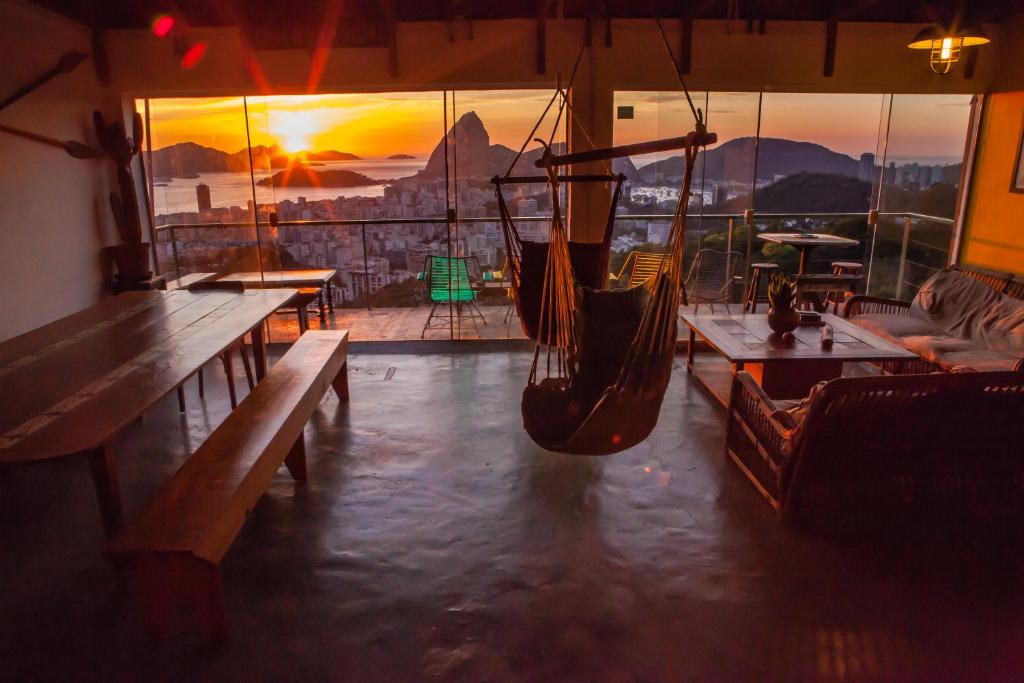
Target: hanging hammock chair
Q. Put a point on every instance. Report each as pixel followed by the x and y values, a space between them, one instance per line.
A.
pixel 609 354
pixel 602 359
pixel 527 259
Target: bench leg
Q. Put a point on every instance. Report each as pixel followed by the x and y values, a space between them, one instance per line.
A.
pixel 103 464
pixel 164 581
pixel 296 459
pixel 303 319
pixel 181 399
pixel 202 388
pixel 340 383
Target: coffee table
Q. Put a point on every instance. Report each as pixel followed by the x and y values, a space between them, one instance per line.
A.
pixel 784 370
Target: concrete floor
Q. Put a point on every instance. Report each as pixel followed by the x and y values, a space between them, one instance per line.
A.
pixel 434 541
pixel 404 324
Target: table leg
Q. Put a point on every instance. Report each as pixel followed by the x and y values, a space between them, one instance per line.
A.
pixel 103 464
pixel 689 350
pixel 259 352
pixel 320 302
pixel 803 260
pixel 330 297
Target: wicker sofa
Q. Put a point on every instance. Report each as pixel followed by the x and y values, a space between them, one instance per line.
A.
pixel 960 318
pixel 872 450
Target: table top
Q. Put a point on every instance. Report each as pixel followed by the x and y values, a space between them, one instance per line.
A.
pixel 73 384
pixel 281 278
pixel 747 338
pixel 807 239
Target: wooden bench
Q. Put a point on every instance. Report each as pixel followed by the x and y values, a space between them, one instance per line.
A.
pixel 189 279
pixel 173 550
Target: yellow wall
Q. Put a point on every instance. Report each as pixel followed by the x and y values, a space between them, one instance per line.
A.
pixel 994 236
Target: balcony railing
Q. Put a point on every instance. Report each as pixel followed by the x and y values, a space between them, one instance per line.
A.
pixel 899 251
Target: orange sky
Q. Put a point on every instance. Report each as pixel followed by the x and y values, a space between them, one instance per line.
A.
pixel 378 125
pixel 368 125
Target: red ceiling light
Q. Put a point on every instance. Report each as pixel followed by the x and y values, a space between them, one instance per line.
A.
pixel 162 25
pixel 193 55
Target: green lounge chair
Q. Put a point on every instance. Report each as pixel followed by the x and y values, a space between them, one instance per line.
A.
pixel 451 285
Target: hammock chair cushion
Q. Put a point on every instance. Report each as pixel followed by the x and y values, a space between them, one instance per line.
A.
pixel 555 410
pixel 589 263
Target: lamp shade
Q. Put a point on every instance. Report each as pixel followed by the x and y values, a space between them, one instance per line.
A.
pixel 945 44
pixel 927 37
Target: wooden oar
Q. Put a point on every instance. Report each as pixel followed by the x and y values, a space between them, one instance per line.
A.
pixel 66 64
pixel 78 150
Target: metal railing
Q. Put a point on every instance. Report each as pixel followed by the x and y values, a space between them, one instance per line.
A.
pixel 890 248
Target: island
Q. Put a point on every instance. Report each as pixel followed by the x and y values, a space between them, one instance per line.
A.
pixel 304 177
pixel 401 156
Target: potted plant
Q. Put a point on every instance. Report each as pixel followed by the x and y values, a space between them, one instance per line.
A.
pixel 132 255
pixel 782 315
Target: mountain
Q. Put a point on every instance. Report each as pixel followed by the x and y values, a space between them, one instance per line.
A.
pixel 401 156
pixel 186 159
pixel 809 193
pixel 305 177
pixel 734 159
pixel 329 155
pixel 476 157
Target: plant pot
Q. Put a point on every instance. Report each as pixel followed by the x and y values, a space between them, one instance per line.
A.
pixel 132 260
pixel 782 322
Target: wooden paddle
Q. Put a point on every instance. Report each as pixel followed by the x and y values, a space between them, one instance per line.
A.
pixel 78 150
pixel 66 64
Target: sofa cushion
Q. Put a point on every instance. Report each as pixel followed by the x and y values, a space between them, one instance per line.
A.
pixel 954 302
pixel 894 327
pixel 1001 325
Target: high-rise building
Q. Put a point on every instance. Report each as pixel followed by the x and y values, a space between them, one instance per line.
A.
pixel 203 197
pixel 866 170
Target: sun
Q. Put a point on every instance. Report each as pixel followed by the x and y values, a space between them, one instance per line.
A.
pixel 293 130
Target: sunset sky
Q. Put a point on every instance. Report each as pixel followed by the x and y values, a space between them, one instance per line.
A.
pixel 930 128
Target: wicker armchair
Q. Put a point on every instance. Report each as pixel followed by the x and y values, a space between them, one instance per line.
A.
pixel 872 451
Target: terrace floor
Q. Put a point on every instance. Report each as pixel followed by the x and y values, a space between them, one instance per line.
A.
pixel 434 541
pixel 403 324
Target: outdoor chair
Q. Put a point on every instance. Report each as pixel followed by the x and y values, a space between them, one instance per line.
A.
pixel 452 282
pixel 639 267
pixel 712 277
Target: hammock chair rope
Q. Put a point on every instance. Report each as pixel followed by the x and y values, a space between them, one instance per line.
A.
pixel 607 355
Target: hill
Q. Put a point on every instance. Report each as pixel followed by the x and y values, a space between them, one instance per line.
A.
pixel 478 158
pixel 401 156
pixel 305 177
pixel 186 159
pixel 732 160
pixel 809 193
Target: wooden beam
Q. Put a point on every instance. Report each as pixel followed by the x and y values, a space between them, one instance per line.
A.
pixel 692 139
pixel 831 33
pixel 685 45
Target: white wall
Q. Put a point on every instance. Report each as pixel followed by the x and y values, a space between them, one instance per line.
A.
pixel 54 216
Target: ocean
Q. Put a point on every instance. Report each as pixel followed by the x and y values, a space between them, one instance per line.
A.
pixel 235 189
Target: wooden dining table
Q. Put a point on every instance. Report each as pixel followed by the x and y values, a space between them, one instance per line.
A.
pixel 297 278
pixel 806 241
pixel 68 388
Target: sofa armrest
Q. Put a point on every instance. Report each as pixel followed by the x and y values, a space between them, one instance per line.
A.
pixel 862 303
pixel 749 402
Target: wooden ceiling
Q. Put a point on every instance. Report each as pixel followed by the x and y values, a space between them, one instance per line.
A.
pixel 264 13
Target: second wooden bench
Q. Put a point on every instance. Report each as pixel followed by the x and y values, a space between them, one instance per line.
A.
pixel 173 550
